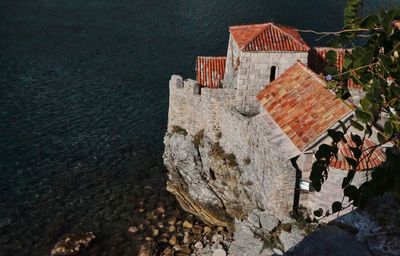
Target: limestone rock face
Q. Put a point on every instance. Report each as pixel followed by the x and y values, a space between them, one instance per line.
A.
pixel 204 184
pixel 245 242
pixel 72 244
pixel 290 239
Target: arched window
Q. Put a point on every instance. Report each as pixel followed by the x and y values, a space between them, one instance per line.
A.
pixel 272 74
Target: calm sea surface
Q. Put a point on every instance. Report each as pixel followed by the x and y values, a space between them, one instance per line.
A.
pixel 84 100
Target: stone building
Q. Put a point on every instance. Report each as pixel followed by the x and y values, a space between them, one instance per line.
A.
pixel 267 106
pixel 258 54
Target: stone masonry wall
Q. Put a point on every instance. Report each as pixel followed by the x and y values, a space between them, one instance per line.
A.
pixel 232 64
pixel 195 108
pixel 254 74
pixel 331 190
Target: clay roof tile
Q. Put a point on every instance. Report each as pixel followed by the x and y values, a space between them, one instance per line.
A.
pixel 268 37
pixel 301 88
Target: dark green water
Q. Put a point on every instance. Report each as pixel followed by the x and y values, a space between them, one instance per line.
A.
pixel 84 99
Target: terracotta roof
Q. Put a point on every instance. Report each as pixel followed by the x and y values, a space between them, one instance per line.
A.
pixel 301 105
pixel 210 71
pixel 369 158
pixel 317 62
pixel 268 37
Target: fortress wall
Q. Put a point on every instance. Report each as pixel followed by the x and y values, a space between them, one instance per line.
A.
pixel 195 108
pixel 185 105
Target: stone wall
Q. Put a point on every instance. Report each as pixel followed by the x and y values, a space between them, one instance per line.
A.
pixel 332 191
pixel 268 175
pixel 195 108
pixel 232 64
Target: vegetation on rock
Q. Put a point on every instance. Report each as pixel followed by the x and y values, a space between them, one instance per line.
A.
pixel 179 130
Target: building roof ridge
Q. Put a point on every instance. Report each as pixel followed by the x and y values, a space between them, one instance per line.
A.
pixel 290 35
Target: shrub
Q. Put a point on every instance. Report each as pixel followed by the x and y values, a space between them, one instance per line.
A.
pixel 198 138
pixel 247 161
pixel 179 130
pixel 231 160
pixel 218 152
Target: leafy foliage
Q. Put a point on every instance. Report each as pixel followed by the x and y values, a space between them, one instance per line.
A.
pixel 374 64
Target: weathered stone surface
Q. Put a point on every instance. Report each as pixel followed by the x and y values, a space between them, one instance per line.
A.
pixel 290 239
pixel 219 252
pixel 244 241
pixel 72 244
pixel 262 220
pixel 330 241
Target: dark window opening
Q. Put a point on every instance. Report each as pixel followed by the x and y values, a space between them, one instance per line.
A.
pixel 272 74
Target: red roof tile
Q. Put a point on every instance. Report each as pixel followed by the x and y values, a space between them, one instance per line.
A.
pixel 210 71
pixel 268 37
pixel 317 62
pixel 369 158
pixel 301 105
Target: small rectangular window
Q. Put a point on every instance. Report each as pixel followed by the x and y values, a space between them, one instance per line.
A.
pixel 272 74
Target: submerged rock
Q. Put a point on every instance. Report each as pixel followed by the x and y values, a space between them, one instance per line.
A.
pixel 147 249
pixel 72 244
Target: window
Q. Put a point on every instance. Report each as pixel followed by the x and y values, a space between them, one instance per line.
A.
pixel 272 74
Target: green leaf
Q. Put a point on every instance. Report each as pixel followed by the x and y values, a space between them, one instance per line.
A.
pixel 386 61
pixel 336 206
pixel 316 175
pixel 345 182
pixel 331 70
pixel 395 89
pixel 363 116
pixel 381 138
pixel 356 139
pixel 365 59
pixel 335 135
pixel 389 128
pixel 365 103
pixel 387 23
pixel 331 57
pixel 319 212
pixel 356 152
pixel 351 192
pixel 324 151
pixel 357 125
pixel 368 130
pixel 352 162
pixel 369 22
pixel 347 61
